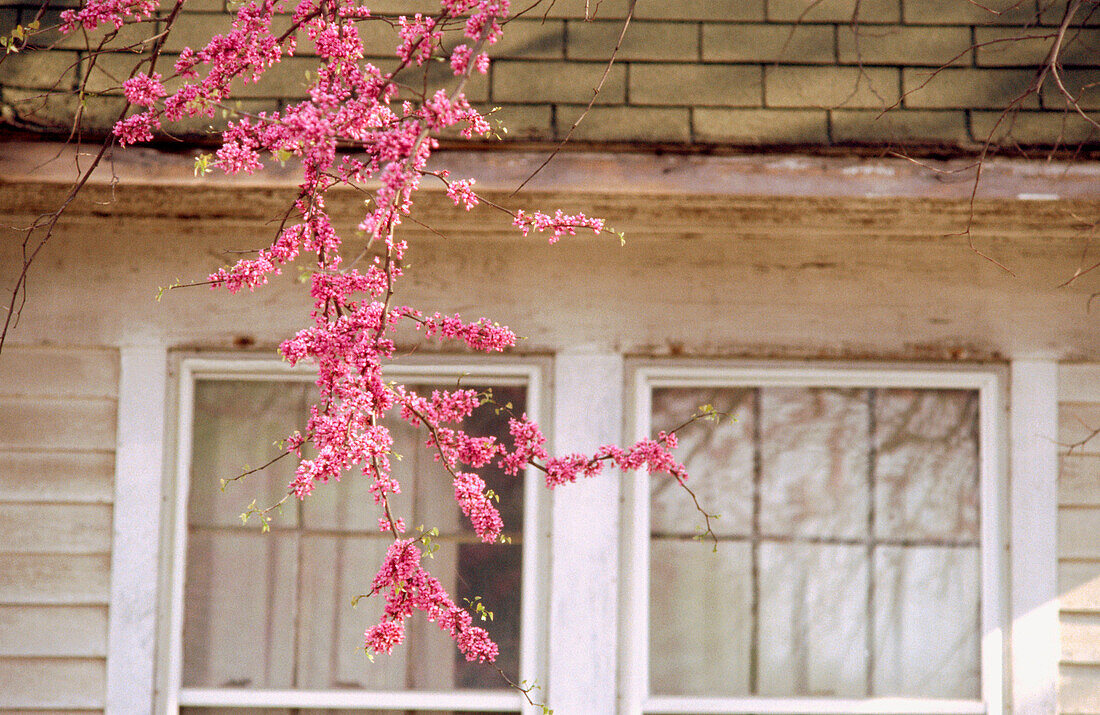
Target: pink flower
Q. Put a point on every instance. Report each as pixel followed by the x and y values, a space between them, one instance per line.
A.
pixel 559 224
pixel 470 495
pixel 144 90
pixel 381 638
pixel 136 128
pixel 462 192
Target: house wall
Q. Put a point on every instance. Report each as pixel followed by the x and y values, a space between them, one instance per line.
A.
pixel 1079 538
pixel 57 444
pixel 744 72
pixel 800 274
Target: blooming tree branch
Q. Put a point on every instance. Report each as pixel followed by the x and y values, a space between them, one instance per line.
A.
pixel 361 127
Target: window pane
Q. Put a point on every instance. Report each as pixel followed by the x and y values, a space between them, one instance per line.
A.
pixel 813 620
pixel 722 448
pixel 926 468
pixel 700 625
pixel 813 462
pixel 853 566
pixel 239 632
pixel 926 621
pixel 274 610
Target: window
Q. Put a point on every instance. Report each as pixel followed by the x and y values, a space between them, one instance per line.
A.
pixel 265 620
pixel 855 568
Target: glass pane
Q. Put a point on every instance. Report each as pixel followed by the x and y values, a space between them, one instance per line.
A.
pixel 816 593
pixel 723 451
pixel 493 572
pixel 926 466
pixel 926 622
pixel 699 618
pixel 813 620
pixel 335 570
pixel 274 610
pixel 238 627
pixel 814 452
pixel 236 426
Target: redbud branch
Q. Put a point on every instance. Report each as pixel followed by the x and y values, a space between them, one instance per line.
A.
pixel 244 474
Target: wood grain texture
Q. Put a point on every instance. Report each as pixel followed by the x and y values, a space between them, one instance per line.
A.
pixel 1079 480
pixel 43 476
pixel 54 579
pixel 55 528
pixel 1079 690
pixel 51 682
pixel 58 372
pixel 54 631
pixel 1079 586
pixel 68 424
pixel 1081 638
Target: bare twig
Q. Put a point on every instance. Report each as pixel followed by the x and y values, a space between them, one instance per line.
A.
pixel 591 102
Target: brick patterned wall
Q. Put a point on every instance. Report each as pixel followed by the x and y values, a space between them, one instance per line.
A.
pixel 737 72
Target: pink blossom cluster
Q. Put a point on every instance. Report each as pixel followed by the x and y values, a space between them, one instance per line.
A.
pixel 397 525
pixel 653 455
pixel 460 60
pixel 112 12
pixel 408 588
pixel 527 445
pixel 471 498
pixel 481 335
pixel 462 192
pixel 144 90
pixel 559 224
pixel 137 128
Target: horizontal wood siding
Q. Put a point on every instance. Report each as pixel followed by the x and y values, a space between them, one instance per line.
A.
pixel 57 442
pixel 1079 539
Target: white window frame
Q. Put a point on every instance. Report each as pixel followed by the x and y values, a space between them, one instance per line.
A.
pixel 988 383
pixel 530 374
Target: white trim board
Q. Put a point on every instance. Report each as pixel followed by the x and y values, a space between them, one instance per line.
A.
pixel 139 460
pixel 1034 555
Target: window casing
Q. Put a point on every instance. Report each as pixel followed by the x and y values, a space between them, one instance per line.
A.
pixel 847 541
pixel 204 533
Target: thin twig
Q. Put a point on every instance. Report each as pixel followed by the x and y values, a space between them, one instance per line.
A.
pixel 591 102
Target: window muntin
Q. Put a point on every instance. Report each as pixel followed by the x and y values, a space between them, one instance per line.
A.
pixel 845 540
pixel 267 618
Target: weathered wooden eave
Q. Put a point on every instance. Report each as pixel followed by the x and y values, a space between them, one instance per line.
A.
pixel 761 257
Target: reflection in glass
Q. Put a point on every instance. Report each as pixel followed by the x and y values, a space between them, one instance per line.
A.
pixel 723 448
pixel 851 564
pixel 813 462
pixel 812 620
pixel 700 629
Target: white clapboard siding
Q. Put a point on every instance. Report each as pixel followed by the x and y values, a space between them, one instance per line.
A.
pixel 1076 422
pixel 44 476
pixel 58 372
pixel 54 578
pixel 1079 585
pixel 1079 690
pixel 1079 480
pixel 1079 533
pixel 58 411
pixel 71 424
pixel 1081 637
pixel 55 631
pixel 56 711
pixel 1079 539
pixel 55 528
pixel 52 682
